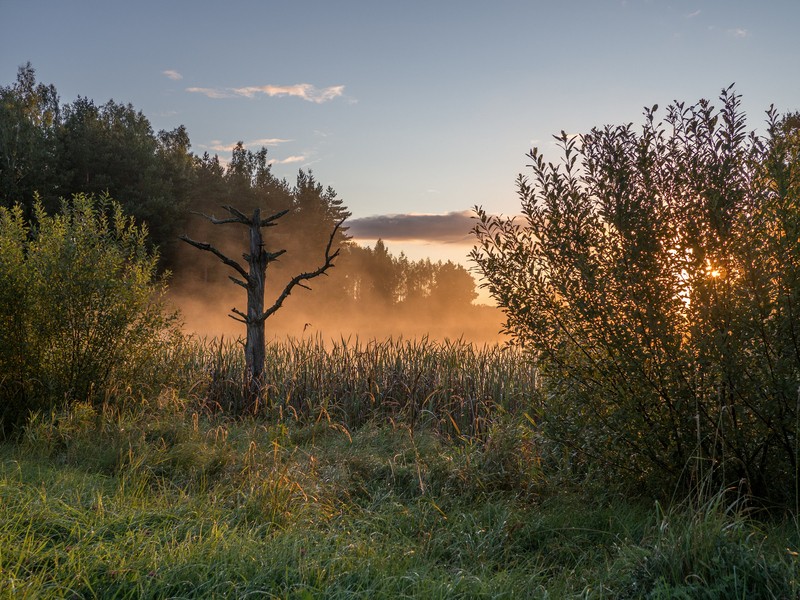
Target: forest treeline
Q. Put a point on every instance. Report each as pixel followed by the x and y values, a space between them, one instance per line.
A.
pixel 50 151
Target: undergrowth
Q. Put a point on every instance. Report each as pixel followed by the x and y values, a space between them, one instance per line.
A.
pixel 166 500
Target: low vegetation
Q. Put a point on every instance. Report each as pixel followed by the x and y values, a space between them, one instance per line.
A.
pixel 354 483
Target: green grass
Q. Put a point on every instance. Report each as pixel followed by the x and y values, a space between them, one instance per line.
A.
pixel 165 503
pixel 401 469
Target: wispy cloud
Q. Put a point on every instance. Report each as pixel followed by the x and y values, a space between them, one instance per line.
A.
pixel 453 227
pixel 219 146
pixel 210 92
pixel 738 32
pixel 287 161
pixel 267 142
pixel 305 91
pixel 174 75
pixel 694 14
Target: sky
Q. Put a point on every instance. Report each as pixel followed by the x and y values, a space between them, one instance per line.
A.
pixel 413 111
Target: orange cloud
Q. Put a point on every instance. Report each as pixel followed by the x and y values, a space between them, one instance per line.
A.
pixel 305 91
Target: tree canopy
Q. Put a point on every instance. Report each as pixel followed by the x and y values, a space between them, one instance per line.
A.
pixel 51 151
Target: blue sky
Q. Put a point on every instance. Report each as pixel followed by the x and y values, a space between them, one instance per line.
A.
pixel 405 108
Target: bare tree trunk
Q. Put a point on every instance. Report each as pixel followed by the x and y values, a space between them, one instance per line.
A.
pixel 255 346
pixel 254 281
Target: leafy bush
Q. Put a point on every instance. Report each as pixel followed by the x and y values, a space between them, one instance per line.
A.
pixel 81 310
pixel 655 277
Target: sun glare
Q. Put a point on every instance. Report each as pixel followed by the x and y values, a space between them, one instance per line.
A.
pixel 712 271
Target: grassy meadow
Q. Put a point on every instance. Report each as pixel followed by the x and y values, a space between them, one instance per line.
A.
pixel 373 470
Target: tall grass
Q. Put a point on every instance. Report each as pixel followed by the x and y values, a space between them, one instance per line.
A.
pixel 451 387
pixel 167 503
pixel 401 468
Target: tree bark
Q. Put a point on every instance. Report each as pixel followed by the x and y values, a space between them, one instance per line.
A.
pixel 255 346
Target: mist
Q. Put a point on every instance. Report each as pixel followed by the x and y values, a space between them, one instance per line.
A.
pixel 369 294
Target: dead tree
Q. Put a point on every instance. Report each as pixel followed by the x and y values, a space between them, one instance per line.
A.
pixel 253 280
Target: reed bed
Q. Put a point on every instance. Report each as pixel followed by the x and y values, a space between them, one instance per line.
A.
pixel 452 386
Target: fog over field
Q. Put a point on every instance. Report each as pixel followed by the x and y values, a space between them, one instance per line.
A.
pixel 205 308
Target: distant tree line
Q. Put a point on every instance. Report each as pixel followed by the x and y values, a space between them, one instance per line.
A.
pixel 51 151
pixel 374 276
